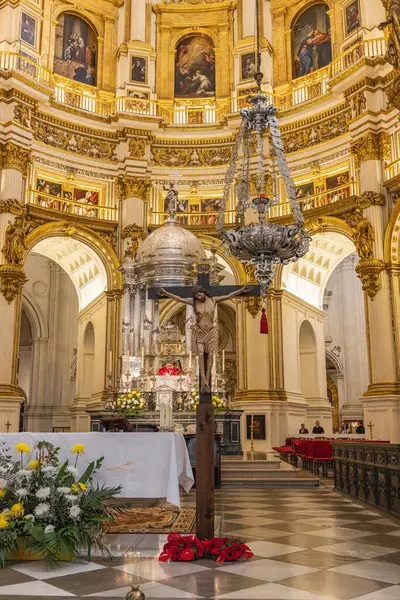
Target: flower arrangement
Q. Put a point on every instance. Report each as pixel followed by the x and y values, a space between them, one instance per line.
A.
pixel 129 403
pixel 189 547
pixel 46 509
pixel 217 402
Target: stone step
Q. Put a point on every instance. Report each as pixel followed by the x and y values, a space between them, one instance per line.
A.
pixel 272 481
pixel 253 465
pixel 255 473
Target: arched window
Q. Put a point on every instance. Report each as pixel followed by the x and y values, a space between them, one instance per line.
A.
pixel 75 53
pixel 195 68
pixel 311 41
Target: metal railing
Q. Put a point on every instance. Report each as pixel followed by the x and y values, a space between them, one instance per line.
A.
pixel 71 207
pixel 86 98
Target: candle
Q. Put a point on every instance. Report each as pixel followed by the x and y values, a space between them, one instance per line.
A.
pixel 142 357
pixel 223 361
pixel 110 362
pixel 190 359
pixel 162 414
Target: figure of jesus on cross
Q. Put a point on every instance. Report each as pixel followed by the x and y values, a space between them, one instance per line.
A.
pixel 205 329
pixel 204 298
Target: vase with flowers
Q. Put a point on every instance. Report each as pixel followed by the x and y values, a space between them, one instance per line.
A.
pixel 128 404
pixel 46 510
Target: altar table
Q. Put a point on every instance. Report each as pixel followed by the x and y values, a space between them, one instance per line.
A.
pixel 146 465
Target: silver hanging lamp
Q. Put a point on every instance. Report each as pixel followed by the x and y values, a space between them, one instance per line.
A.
pixel 263 244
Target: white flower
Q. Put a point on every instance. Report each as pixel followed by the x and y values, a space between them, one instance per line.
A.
pixel 49 529
pixel 63 490
pixel 29 518
pixel 22 492
pixel 42 509
pixel 72 470
pixel 24 473
pixel 3 484
pixel 43 493
pixel 71 497
pixel 49 469
pixel 74 511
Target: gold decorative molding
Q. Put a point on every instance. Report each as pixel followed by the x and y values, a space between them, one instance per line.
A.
pixel 137 147
pixel 366 148
pixel 372 199
pixel 12 206
pixel 317 133
pixel 15 157
pixel 13 279
pixel 171 157
pixel 253 305
pixel 314 226
pixel 369 270
pixel 133 187
pixel 22 114
pixel 86 145
pixel 191 157
pixel 135 234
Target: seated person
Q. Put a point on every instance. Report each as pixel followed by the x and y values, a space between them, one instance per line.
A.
pixel 303 429
pixel 360 428
pixel 317 428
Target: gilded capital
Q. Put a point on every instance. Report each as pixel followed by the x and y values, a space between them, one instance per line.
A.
pixel 253 305
pixel 130 187
pixel 12 279
pixel 369 270
pixel 366 148
pixel 15 157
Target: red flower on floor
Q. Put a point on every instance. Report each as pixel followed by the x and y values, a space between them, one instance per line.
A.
pixel 189 547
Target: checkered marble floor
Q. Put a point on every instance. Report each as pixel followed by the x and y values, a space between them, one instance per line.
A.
pixel 308 544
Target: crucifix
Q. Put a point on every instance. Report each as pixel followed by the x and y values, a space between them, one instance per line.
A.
pixel 8 425
pixel 370 427
pixel 204 298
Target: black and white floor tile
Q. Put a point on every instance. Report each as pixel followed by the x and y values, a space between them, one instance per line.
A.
pixel 309 544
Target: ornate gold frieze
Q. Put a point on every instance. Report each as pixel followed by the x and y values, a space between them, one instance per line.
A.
pixel 366 148
pixel 135 234
pixel 316 133
pixel 70 141
pixel 214 157
pixel 22 114
pixel 133 187
pixel 253 305
pixel 369 270
pixel 13 279
pixel 15 157
pixel 171 157
pixel 191 157
pixel 137 147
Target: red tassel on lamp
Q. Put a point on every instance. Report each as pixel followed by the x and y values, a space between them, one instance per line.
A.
pixel 263 322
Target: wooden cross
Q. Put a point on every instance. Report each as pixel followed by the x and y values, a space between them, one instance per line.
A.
pixel 8 425
pixel 205 412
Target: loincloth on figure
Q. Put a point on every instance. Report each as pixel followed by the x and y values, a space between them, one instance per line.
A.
pixel 208 339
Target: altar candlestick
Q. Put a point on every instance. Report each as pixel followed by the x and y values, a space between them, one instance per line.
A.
pixel 110 362
pixel 223 361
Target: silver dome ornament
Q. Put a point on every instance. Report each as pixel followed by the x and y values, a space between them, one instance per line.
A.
pixel 135 594
pixel 263 244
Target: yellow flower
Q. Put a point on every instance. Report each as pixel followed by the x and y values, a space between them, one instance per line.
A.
pixel 82 486
pixel 34 464
pixel 78 449
pixel 74 488
pixel 17 510
pixel 2 494
pixel 22 448
pixel 4 520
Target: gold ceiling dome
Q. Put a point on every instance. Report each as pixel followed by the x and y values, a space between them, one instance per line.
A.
pixel 168 256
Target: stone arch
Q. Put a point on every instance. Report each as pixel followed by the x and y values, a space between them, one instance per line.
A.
pixel 90 17
pixel 90 259
pixel 307 277
pixel 35 314
pixel 308 356
pixel 335 361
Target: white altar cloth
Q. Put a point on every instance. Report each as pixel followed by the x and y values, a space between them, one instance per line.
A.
pixel 147 465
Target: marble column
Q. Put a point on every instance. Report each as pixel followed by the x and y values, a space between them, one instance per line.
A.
pixel 15 162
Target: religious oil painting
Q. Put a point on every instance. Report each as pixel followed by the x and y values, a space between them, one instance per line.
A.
pixel 48 187
pixel 248 65
pixel 75 49
pixel 211 206
pixel 337 181
pixel 305 195
pixel 259 431
pixel 195 68
pixel 28 29
pixel 352 17
pixel 311 39
pixel 139 69
pixel 86 196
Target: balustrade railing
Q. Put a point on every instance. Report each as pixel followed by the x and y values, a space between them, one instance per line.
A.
pixel 86 98
pixel 324 198
pixel 72 207
pixel 392 170
pixel 192 219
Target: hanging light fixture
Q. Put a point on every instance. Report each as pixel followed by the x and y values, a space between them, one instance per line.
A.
pixel 263 244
